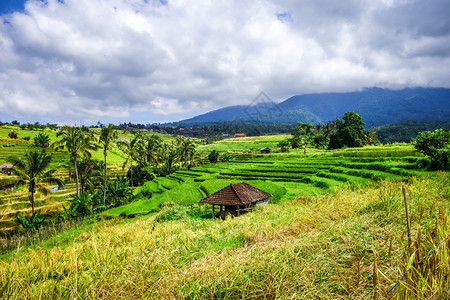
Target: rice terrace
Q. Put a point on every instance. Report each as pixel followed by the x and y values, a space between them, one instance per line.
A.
pixel 262 149
pixel 335 225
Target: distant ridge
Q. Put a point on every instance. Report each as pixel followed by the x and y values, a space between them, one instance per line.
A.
pixel 377 106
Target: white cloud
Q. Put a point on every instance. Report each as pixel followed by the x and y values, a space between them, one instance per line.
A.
pixel 93 59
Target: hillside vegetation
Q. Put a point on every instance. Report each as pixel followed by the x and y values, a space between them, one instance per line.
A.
pixel 378 106
pixel 334 228
pixel 309 247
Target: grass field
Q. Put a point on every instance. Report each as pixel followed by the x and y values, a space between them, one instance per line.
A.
pixel 333 229
pixel 310 247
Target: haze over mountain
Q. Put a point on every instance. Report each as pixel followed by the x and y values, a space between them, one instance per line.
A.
pixel 377 106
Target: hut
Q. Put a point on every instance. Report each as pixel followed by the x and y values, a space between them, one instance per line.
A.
pixel 236 199
pixel 6 168
pixel 265 150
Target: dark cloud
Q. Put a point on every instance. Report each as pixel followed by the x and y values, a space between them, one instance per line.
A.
pixel 147 61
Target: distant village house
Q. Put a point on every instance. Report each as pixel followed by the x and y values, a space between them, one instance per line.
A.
pixel 240 135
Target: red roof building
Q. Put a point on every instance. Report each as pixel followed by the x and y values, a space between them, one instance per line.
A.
pixel 236 198
pixel 240 135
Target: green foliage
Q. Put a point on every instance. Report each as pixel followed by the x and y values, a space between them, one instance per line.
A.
pixel 13 134
pixel 284 145
pixel 213 156
pixel 77 140
pixel 171 213
pixel 80 205
pixel 141 174
pixel 26 138
pixel 349 132
pixel 31 171
pixel 225 157
pixel 42 140
pixel 118 192
pixel 32 222
pixel 436 145
pixel 405 132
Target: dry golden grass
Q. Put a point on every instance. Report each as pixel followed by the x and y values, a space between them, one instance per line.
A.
pixel 335 246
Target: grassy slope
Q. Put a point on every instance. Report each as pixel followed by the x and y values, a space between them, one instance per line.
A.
pixel 310 247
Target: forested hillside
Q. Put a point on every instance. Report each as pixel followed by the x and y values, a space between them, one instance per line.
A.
pixel 378 106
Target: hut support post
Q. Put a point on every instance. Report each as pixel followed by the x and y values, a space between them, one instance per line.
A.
pixel 213 215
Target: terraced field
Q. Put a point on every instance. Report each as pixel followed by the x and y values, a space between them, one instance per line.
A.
pixel 284 175
pixel 15 201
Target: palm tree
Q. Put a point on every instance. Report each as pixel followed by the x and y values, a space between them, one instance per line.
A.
pixel 186 149
pixel 168 155
pixel 130 149
pixel 30 171
pixel 75 140
pixel 107 136
pixel 150 148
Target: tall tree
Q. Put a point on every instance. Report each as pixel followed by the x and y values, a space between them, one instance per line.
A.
pixel 76 140
pixel 349 131
pixel 130 148
pixel 31 171
pixel 107 136
pixel 148 150
pixel 186 150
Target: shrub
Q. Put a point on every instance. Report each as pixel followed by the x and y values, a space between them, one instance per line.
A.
pixel 213 156
pixel 437 146
pixel 176 212
pixel 118 192
pixel 80 205
pixel 33 222
pixel 13 134
pixel 141 175
pixel 226 157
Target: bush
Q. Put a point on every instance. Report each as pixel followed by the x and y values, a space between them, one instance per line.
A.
pixel 33 222
pixel 13 134
pixel 176 212
pixel 80 205
pixel 141 175
pixel 213 156
pixel 118 192
pixel 436 145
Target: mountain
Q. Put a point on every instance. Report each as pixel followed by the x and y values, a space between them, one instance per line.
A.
pixel 377 107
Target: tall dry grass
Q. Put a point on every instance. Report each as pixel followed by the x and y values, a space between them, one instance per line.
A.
pixel 346 245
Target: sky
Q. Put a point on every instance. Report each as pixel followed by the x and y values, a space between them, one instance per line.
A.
pixel 147 61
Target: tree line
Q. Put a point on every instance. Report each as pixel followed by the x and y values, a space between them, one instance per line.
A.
pixel 346 132
pixel 145 158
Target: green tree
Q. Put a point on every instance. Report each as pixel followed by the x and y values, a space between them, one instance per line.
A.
pixel 107 136
pixel 131 150
pixel 168 156
pixel 76 140
pixel 349 131
pixel 42 140
pixel 435 144
pixel 213 156
pixel 31 171
pixel 13 134
pixel 186 150
pixel 148 150
pixel 283 145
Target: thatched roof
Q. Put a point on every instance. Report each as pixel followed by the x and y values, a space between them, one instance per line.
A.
pixel 236 194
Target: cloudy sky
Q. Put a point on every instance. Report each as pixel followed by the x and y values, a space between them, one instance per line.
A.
pixel 83 61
